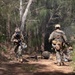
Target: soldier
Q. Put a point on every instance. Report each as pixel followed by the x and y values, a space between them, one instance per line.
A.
pixel 17 38
pixel 58 39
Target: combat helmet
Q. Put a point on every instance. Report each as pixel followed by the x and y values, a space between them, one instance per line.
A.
pixel 57 26
pixel 17 29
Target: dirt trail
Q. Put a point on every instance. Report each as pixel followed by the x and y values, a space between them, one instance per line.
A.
pixel 31 67
pixel 51 66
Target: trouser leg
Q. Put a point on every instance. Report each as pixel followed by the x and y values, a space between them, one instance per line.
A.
pixel 62 58
pixel 15 48
pixel 59 57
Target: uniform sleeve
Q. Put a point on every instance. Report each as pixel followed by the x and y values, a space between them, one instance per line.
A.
pixel 12 38
pixel 22 37
pixel 64 36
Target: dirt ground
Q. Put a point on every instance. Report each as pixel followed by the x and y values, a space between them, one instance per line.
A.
pixel 35 67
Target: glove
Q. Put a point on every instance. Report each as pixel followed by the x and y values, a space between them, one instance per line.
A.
pixel 15 40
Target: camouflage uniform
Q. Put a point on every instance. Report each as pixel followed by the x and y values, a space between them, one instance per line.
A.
pixel 67 53
pixel 58 36
pixel 17 37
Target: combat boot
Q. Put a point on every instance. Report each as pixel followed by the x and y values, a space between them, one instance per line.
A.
pixel 62 64
pixel 59 64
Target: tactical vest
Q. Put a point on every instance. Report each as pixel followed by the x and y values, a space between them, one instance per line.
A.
pixel 58 36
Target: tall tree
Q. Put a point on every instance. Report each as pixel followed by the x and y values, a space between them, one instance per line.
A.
pixel 21 9
pixel 25 15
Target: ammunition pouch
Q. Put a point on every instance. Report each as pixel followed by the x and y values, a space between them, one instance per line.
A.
pixel 57 44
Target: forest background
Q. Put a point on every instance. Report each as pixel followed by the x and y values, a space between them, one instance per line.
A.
pixel 41 18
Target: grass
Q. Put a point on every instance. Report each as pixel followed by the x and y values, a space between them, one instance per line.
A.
pixel 29 68
pixel 3 48
pixel 73 58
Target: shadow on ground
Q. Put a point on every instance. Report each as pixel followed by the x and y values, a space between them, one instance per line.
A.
pixel 19 68
pixel 25 69
pixel 3 58
pixel 53 73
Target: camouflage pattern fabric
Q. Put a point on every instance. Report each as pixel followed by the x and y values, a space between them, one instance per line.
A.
pixel 58 37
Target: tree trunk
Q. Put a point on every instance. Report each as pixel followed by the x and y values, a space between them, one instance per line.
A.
pixel 25 15
pixel 8 26
pixel 21 10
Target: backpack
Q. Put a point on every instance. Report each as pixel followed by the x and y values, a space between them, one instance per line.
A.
pixel 58 36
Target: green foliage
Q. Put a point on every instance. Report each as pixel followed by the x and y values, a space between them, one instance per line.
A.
pixel 73 58
pixel 2 38
pixel 73 54
pixel 42 14
pixel 50 12
pixel 3 48
pixel 8 7
pixel 36 41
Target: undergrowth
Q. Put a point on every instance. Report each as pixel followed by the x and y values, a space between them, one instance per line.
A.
pixel 73 58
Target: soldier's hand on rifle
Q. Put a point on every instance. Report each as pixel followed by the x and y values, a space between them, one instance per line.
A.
pixel 15 40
